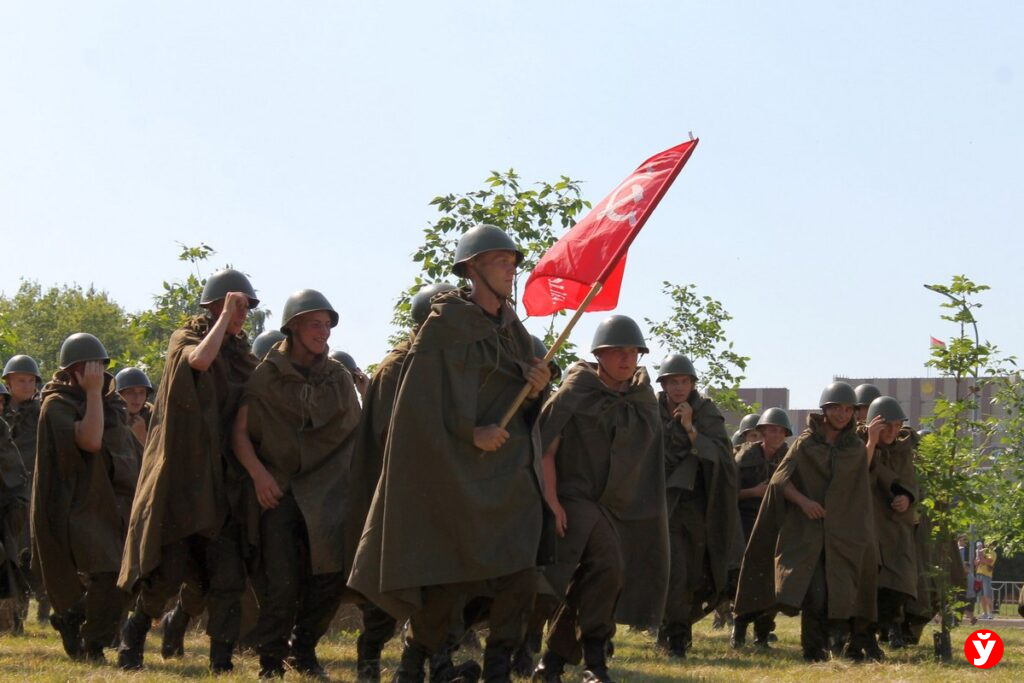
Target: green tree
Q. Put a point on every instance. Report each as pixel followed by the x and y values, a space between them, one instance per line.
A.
pixel 37 320
pixel 695 327
pixel 535 217
pixel 177 301
pixel 953 465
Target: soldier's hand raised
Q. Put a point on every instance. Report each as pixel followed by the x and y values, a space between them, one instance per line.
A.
pixel 90 377
pixel 875 428
pixel 235 303
pixel 489 438
pixel 684 413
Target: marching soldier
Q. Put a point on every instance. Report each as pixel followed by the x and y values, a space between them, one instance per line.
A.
pixel 85 459
pixel 866 393
pixel 458 510
pixel 185 522
pixel 756 463
pixel 604 478
pixel 294 434
pixel 703 516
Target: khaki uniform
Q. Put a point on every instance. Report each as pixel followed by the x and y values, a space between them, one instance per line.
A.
pixel 612 565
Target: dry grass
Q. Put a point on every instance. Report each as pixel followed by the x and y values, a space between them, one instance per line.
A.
pixel 37 656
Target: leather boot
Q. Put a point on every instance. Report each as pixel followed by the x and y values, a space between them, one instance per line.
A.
pixel 174 624
pixel 595 659
pixel 302 657
pixel 411 667
pixel 550 669
pixel 220 656
pixel 133 641
pixel 739 635
pixel 367 661
pixel 69 626
pixel 497 664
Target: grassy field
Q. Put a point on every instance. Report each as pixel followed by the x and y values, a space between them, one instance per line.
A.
pixel 37 656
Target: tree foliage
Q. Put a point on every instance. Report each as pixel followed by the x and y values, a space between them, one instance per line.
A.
pixel 695 327
pixel 37 320
pixel 533 216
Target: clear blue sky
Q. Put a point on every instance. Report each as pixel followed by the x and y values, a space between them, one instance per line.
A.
pixel 849 153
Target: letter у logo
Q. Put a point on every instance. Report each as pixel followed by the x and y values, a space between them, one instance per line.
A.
pixel 983 649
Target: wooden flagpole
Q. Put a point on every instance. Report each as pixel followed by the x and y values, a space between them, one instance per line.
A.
pixel 525 391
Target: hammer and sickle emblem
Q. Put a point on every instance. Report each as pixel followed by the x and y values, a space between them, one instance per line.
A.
pixel 635 195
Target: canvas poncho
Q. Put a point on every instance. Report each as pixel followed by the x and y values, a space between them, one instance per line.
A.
pixel 23 421
pixel 368 454
pixel 14 497
pixel 893 474
pixel 753 468
pixel 786 545
pixel 303 430
pixel 190 482
pixel 710 459
pixel 445 511
pixel 76 526
pixel 610 462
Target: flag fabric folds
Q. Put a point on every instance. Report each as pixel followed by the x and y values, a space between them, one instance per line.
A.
pixel 594 250
pixel 936 343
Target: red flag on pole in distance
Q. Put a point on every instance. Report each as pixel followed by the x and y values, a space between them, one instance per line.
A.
pixel 594 250
pixel 936 342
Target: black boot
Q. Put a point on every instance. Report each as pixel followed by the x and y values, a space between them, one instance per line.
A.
pixel 896 636
pixel 133 641
pixel 549 670
pixel 302 657
pixel 444 670
pixel 69 626
pixel 522 660
pixel 367 660
pixel 497 664
pixel 739 635
pixel 93 653
pixel 220 656
pixel 174 624
pixel 411 667
pixel 762 636
pixel 271 667
pixel 595 659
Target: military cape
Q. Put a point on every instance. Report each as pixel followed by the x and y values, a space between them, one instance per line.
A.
pixel 303 430
pixel 786 545
pixel 14 498
pixel 710 458
pixel 753 468
pixel 76 526
pixel 445 512
pixel 368 454
pixel 190 482
pixel 610 463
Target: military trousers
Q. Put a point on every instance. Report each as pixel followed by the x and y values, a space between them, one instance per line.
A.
pixel 588 611
pixel 510 608
pixel 214 565
pixel 690 584
pixel 294 599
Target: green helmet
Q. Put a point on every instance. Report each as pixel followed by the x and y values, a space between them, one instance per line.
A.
pixel 778 417
pixel 747 423
pixel 82 346
pixel 839 393
pixel 866 393
pixel 345 359
pixel 306 301
pixel 479 239
pixel 888 407
pixel 737 439
pixel 618 330
pixel 133 377
pixel 421 300
pixel 22 363
pixel 676 364
pixel 4 391
pixel 228 280
pixel 262 343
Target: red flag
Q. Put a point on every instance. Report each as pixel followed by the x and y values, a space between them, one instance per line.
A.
pixel 936 342
pixel 594 249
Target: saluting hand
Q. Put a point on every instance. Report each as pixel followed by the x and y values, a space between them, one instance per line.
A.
pixel 489 438
pixel 539 376
pixel 90 377
pixel 875 428
pixel 235 303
